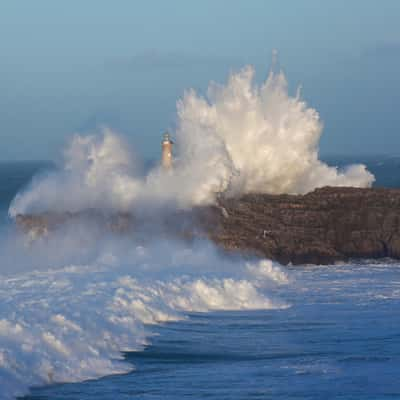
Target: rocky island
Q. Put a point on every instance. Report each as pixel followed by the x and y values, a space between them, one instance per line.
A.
pixel 324 226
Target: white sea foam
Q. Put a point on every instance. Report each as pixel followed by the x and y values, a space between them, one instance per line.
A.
pixel 268 270
pixel 71 323
pixel 241 138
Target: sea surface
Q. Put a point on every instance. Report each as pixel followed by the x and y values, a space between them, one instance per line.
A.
pixel 128 321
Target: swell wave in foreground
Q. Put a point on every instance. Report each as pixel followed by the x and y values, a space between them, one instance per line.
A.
pixel 71 323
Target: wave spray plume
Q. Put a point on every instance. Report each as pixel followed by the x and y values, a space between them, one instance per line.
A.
pixel 240 138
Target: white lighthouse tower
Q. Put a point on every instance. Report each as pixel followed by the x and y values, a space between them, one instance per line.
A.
pixel 166 151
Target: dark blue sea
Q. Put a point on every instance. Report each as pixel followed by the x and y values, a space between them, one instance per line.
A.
pixel 131 321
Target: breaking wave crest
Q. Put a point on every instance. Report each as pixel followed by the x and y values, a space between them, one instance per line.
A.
pixel 71 323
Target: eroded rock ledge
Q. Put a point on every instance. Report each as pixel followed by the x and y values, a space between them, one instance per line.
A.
pixel 324 226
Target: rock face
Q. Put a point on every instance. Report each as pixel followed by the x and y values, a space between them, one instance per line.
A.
pixel 327 225
pixel 324 226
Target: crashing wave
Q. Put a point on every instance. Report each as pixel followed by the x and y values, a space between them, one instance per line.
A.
pixel 241 138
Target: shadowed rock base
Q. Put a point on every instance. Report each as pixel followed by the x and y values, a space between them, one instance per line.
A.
pixel 324 226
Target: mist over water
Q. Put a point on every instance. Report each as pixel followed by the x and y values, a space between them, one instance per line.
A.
pixel 241 138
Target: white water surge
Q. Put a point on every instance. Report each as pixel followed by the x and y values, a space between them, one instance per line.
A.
pixel 71 323
pixel 241 138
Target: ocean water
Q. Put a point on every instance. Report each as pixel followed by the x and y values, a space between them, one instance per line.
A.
pixel 114 319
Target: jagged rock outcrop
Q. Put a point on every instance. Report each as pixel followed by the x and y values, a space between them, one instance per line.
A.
pixel 324 226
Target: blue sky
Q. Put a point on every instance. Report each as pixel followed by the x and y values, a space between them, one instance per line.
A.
pixel 69 66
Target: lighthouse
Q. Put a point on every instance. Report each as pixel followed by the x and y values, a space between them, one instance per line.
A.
pixel 166 151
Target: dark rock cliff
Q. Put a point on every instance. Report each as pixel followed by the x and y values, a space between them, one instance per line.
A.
pixel 324 226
